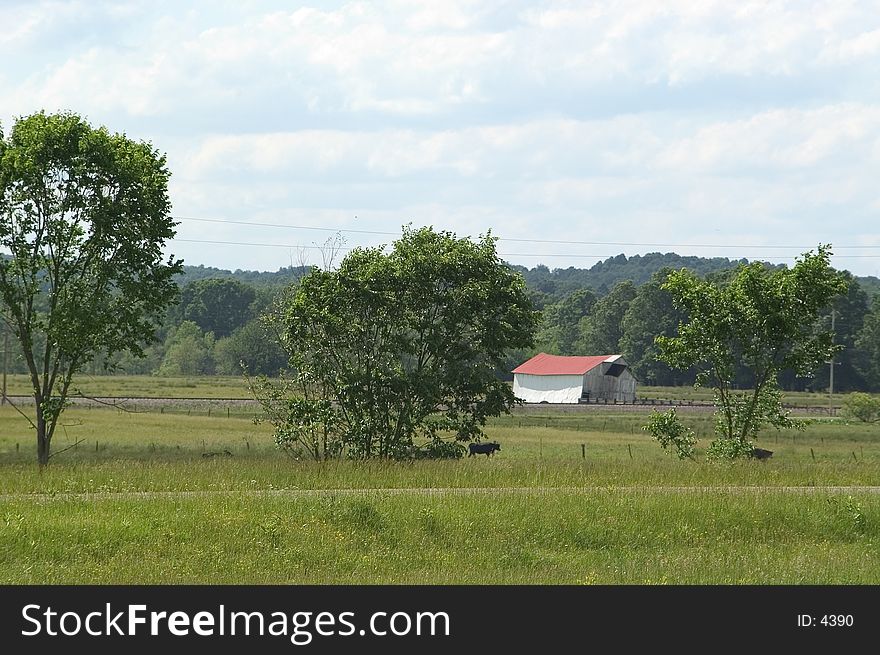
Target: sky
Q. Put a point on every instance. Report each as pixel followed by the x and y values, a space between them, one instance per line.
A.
pixel 573 131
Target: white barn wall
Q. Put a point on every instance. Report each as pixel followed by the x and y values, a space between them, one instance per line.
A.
pixel 548 388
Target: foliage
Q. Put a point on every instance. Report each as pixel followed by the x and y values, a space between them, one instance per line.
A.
pixel 189 352
pixel 759 319
pixel 862 406
pixel 84 215
pixel 560 329
pixel 600 331
pixel 728 449
pixel 439 448
pixel 650 314
pixel 850 309
pixel 867 347
pixel 667 430
pixel 216 305
pixel 305 425
pixel 605 275
pixel 398 347
pixel 259 279
pixel 251 346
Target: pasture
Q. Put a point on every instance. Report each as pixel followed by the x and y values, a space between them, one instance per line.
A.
pixel 145 386
pixel 572 497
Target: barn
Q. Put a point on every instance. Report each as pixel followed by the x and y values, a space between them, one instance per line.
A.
pixel 556 379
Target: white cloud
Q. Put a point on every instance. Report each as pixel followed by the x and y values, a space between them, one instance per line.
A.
pixel 781 140
pixel 698 120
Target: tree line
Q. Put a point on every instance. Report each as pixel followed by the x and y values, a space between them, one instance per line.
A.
pixel 217 327
pixel 628 319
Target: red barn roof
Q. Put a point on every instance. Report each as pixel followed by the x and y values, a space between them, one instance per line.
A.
pixel 544 364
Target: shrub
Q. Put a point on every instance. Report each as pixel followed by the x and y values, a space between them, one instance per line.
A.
pixel 862 406
pixel 666 429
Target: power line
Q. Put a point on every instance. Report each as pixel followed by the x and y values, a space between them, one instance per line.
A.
pixel 261 245
pixel 289 227
pixel 500 254
pixel 523 240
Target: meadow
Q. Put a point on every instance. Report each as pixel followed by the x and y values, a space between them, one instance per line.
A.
pixel 573 497
pixel 145 386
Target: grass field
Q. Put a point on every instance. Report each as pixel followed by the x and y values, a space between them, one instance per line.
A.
pixel 609 536
pixel 136 502
pixel 145 386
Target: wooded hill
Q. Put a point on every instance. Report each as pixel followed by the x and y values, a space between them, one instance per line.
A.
pixel 553 284
pixel 615 306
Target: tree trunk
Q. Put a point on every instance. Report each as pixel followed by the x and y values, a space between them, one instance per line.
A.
pixel 42 439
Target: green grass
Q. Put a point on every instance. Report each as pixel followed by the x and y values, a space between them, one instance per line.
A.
pixel 145 386
pixel 798 398
pixel 136 502
pixel 121 451
pixel 593 538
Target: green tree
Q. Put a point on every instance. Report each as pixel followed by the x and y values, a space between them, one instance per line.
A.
pixel 559 329
pixel 189 351
pixel 398 347
pixel 762 320
pixel 252 346
pixel 651 314
pixel 867 346
pixel 572 310
pixel 601 330
pixel 84 215
pixel 862 406
pixel 217 305
pixel 850 309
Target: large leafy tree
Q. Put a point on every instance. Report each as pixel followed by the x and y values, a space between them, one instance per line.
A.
pixel 868 347
pixel 850 309
pixel 84 215
pixel 217 305
pixel 558 332
pixel 398 348
pixel 252 347
pixel 601 330
pixel 189 352
pixel 572 310
pixel 761 320
pixel 650 314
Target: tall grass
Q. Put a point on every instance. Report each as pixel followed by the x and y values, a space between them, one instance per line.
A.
pixel 601 537
pixel 569 499
pixel 153 452
pixel 146 386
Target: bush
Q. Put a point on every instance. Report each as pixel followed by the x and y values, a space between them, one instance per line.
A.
pixel 726 448
pixel 669 432
pixel 862 406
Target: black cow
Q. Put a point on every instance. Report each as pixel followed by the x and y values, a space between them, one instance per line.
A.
pixel 760 453
pixel 483 448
